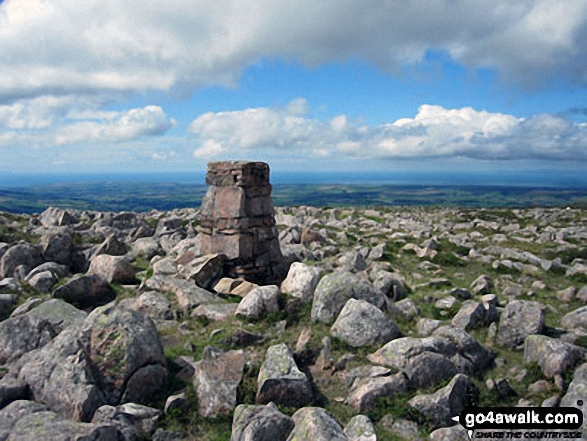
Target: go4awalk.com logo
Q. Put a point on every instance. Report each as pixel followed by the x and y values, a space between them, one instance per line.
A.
pixel 522 422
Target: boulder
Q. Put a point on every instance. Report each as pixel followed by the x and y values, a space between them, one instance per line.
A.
pixel 132 420
pixel 259 302
pixel 472 315
pixel 366 391
pixel 575 319
pixel 404 309
pixel 316 424
pixel 362 324
pixel 281 381
pixel 146 248
pixel 301 281
pixel 85 291
pixel 49 426
pixel 113 269
pixel 56 217
pixel 481 285
pixel 335 289
pixel 520 319
pixel 454 433
pixel 552 355
pixel 22 334
pixel 360 428
pixel 260 423
pixel 206 270
pixel 154 304
pixel 113 358
pixel 189 296
pixel 391 285
pixel 42 282
pixel 429 369
pixel 57 246
pixel 397 353
pixel 15 411
pixel 58 313
pixel 471 357
pixel 216 312
pixel 216 378
pixel 111 246
pixel 21 254
pixel 165 266
pixel 450 401
pixel 577 391
pixel 352 261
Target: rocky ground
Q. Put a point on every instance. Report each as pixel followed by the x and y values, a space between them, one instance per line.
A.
pixel 390 322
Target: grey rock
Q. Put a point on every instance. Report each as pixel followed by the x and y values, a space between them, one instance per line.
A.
pixel 177 402
pixel 215 311
pixel 155 305
pixel 450 401
pixel 189 296
pixel 146 248
pixel 111 246
pixel 575 319
pixel 58 313
pixel 427 326
pixel 9 285
pixel 481 285
pixel 361 324
pixel 352 261
pixel 165 266
pixel 316 424
pixel 216 378
pixel 301 281
pixel 577 391
pixel 472 315
pixel 206 270
pixel 429 369
pixel 113 269
pixel 131 419
pixel 582 294
pixel 552 355
pixel 55 217
pixel 57 246
pixel 365 392
pixel 360 428
pixel 260 423
pixel 22 334
pixel 519 319
pixel 15 411
pixel 21 254
pixel 259 302
pixel 405 310
pixel 49 426
pixel 398 352
pixel 281 381
pixel 391 285
pixel 28 304
pixel 335 289
pixel 42 282
pixel 85 291
pixel 471 357
pixel 454 433
pixel 101 362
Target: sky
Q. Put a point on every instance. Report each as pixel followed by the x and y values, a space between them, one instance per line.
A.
pixel 380 87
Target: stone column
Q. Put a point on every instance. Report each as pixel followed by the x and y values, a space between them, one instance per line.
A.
pixel 236 219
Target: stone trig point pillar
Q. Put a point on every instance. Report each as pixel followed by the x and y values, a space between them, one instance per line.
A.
pixel 236 219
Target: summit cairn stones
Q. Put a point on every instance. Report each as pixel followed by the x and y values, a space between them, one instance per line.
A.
pixel 236 219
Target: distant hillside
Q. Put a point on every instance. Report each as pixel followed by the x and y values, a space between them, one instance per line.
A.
pixel 145 196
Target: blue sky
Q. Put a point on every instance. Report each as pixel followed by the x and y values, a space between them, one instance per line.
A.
pixel 473 87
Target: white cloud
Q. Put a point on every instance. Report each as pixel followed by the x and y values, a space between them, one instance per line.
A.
pixel 135 123
pixel 435 132
pixel 56 47
pixel 209 149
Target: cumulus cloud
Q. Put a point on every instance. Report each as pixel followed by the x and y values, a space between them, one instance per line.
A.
pixel 50 120
pixel 434 132
pixel 60 47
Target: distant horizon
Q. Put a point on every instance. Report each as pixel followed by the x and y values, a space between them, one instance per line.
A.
pixel 535 178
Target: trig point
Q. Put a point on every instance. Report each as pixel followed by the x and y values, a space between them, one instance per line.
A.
pixel 236 219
